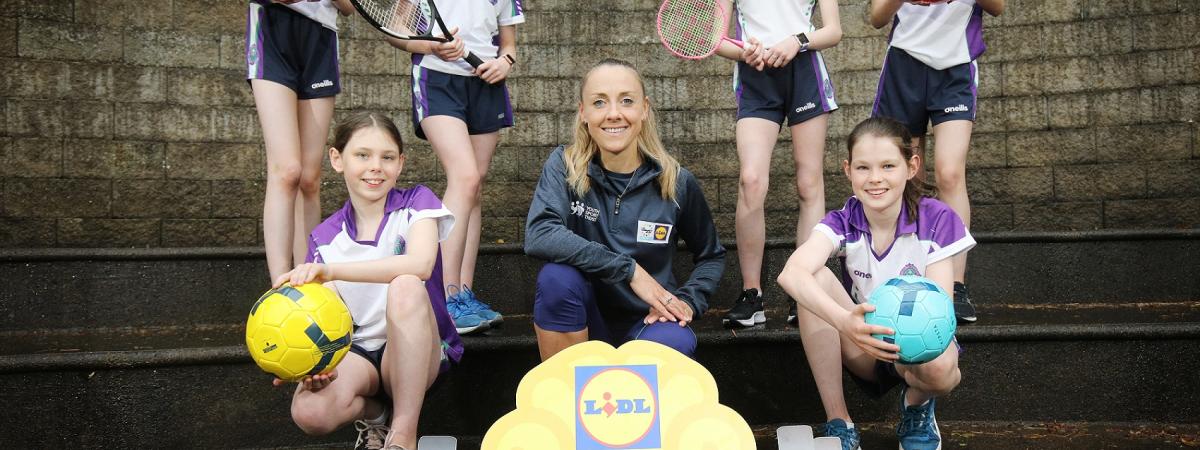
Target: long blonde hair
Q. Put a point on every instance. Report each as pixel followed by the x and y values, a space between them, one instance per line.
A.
pixel 582 149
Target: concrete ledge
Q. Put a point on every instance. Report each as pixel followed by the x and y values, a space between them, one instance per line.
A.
pixel 232 354
pixel 120 254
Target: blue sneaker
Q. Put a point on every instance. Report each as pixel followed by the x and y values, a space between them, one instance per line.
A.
pixel 918 429
pixel 480 308
pixel 849 436
pixel 465 319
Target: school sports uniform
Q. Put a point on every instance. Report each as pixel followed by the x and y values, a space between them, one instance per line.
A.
pixel 294 45
pixel 937 234
pixel 333 242
pixel 798 91
pixel 449 88
pixel 930 73
pixel 592 242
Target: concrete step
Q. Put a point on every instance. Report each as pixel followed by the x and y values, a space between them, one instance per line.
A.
pixel 992 436
pixel 64 289
pixel 1024 363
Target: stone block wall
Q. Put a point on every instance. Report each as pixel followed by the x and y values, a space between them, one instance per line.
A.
pixel 129 125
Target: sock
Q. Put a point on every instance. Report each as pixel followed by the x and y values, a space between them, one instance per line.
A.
pixel 381 420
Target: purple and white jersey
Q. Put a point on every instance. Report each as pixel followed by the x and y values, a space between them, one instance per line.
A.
pixel 940 35
pixel 772 21
pixel 321 11
pixel 333 242
pixel 478 23
pixel 937 234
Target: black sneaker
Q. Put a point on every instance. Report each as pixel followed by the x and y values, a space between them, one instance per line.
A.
pixel 792 314
pixel 748 310
pixel 964 311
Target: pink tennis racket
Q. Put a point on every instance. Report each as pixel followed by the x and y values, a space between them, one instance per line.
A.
pixel 693 29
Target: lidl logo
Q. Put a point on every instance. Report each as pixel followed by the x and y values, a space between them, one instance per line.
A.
pixel 660 232
pixel 616 407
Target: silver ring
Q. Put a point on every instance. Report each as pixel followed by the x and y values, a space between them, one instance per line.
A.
pixel 668 301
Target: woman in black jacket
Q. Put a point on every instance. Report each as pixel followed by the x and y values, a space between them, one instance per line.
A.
pixel 606 215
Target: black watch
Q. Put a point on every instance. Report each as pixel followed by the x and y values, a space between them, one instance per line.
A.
pixel 803 39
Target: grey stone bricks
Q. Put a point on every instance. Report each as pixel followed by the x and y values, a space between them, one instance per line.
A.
pixel 139 129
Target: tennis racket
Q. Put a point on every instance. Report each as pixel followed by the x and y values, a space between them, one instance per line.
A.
pixel 693 29
pixel 409 20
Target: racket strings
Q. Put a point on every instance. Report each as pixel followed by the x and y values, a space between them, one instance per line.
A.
pixel 406 17
pixel 690 28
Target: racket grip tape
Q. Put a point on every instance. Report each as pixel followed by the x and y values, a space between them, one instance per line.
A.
pixel 473 60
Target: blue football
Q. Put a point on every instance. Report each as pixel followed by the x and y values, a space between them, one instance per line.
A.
pixel 920 312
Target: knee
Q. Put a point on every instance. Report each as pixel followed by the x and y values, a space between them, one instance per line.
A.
pixel 310 181
pixel 311 418
pixel 670 334
pixel 810 187
pixel 753 184
pixel 950 176
pixel 286 174
pixel 467 179
pixel 406 299
pixel 941 376
pixel 556 280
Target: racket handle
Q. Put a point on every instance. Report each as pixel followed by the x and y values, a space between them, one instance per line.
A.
pixel 473 60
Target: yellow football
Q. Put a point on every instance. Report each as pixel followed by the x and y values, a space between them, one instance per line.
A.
pixel 293 332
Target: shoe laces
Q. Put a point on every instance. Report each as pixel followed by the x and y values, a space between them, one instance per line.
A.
pixel 468 296
pixel 748 295
pixel 915 419
pixel 847 435
pixel 370 435
pixel 457 306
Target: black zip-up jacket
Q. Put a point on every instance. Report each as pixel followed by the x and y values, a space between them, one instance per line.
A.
pixel 603 239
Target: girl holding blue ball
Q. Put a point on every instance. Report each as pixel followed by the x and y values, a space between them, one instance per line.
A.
pixel 887 229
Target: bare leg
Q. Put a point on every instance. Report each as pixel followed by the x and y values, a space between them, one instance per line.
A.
pixel 485 148
pixel 808 150
pixel 552 342
pixel 412 357
pixel 347 398
pixel 827 351
pixel 314 115
pixel 449 139
pixel 755 143
pixel 952 140
pixel 932 379
pixel 277 114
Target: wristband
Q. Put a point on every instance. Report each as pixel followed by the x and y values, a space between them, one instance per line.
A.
pixel 511 61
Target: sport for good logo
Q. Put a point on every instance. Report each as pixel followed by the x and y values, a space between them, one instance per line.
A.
pixel 616 407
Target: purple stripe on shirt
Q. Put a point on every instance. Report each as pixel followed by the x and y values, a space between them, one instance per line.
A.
pixel 975 45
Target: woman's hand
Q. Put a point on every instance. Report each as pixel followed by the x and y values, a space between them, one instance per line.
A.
pixel 752 53
pixel 663 305
pixel 854 326
pixel 450 51
pixel 679 308
pixel 311 383
pixel 304 274
pixel 493 71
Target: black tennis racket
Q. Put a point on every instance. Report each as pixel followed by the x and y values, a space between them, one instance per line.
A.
pixel 409 20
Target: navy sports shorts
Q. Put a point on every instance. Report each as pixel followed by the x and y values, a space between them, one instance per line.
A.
pixel 565 302
pixel 484 107
pixel 285 47
pixel 916 94
pixel 375 357
pixel 798 91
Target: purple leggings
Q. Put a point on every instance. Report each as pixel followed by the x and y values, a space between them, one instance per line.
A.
pixel 565 302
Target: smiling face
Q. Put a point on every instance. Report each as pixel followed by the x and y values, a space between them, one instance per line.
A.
pixel 370 162
pixel 878 172
pixel 613 107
